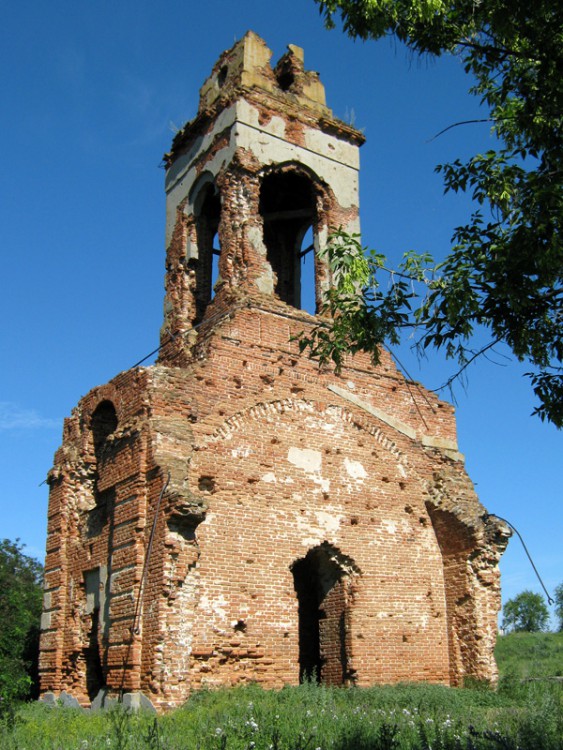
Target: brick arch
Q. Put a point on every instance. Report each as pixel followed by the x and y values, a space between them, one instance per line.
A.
pixel 265 409
pixel 205 207
pixel 293 202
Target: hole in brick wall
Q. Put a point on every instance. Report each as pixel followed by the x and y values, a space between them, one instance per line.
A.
pixel 402 485
pixel 103 423
pixel 408 509
pixel 206 483
pixel 240 626
pixel 423 521
pixel 222 76
pixel 286 80
pixel 94 671
pixel 385 479
pixel 354 521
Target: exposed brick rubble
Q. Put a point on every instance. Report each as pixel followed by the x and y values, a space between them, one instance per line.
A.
pixel 233 513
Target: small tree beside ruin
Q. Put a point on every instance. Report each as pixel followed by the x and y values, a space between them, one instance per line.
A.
pixel 526 613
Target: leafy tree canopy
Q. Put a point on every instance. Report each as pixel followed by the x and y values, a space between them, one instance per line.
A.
pixel 527 612
pixel 505 267
pixel 20 611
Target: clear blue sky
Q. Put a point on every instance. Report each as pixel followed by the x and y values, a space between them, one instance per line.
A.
pixel 91 94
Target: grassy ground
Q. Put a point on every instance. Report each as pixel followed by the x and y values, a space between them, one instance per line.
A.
pixel 528 655
pixel 520 715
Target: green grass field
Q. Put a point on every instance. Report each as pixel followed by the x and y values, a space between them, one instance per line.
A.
pixel 529 655
pixel 522 714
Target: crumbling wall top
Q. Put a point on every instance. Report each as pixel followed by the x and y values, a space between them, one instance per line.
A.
pixel 244 72
pixel 247 65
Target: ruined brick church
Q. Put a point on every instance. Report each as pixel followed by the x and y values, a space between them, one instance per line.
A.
pixel 232 513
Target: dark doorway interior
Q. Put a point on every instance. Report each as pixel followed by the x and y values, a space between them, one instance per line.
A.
pixel 94 671
pixel 322 594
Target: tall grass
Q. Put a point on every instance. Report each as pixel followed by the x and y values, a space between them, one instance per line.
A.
pixel 402 717
pixel 520 715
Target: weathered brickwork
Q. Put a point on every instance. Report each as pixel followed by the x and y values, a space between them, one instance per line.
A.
pixel 233 513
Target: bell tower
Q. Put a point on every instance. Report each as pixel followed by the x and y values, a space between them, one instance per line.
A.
pixel 254 185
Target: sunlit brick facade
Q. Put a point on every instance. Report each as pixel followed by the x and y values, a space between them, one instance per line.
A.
pixel 233 513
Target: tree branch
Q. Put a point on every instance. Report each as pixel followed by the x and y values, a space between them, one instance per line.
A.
pixel 465 365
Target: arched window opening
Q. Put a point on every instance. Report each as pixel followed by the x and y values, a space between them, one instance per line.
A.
pixel 215 263
pixel 307 256
pixel 207 210
pixel 103 423
pixel 287 206
pixel 321 586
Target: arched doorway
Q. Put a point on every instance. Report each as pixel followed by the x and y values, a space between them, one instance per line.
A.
pixel 322 581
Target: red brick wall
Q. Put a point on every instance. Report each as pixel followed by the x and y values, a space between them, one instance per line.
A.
pixel 266 463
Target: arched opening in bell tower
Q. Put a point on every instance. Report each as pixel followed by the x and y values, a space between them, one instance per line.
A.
pixel 322 587
pixel 207 213
pixel 288 210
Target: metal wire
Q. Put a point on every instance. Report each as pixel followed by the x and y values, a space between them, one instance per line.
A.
pixel 550 600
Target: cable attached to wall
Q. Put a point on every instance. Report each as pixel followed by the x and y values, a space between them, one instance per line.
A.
pixel 173 336
pixel 494 515
pixel 139 604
